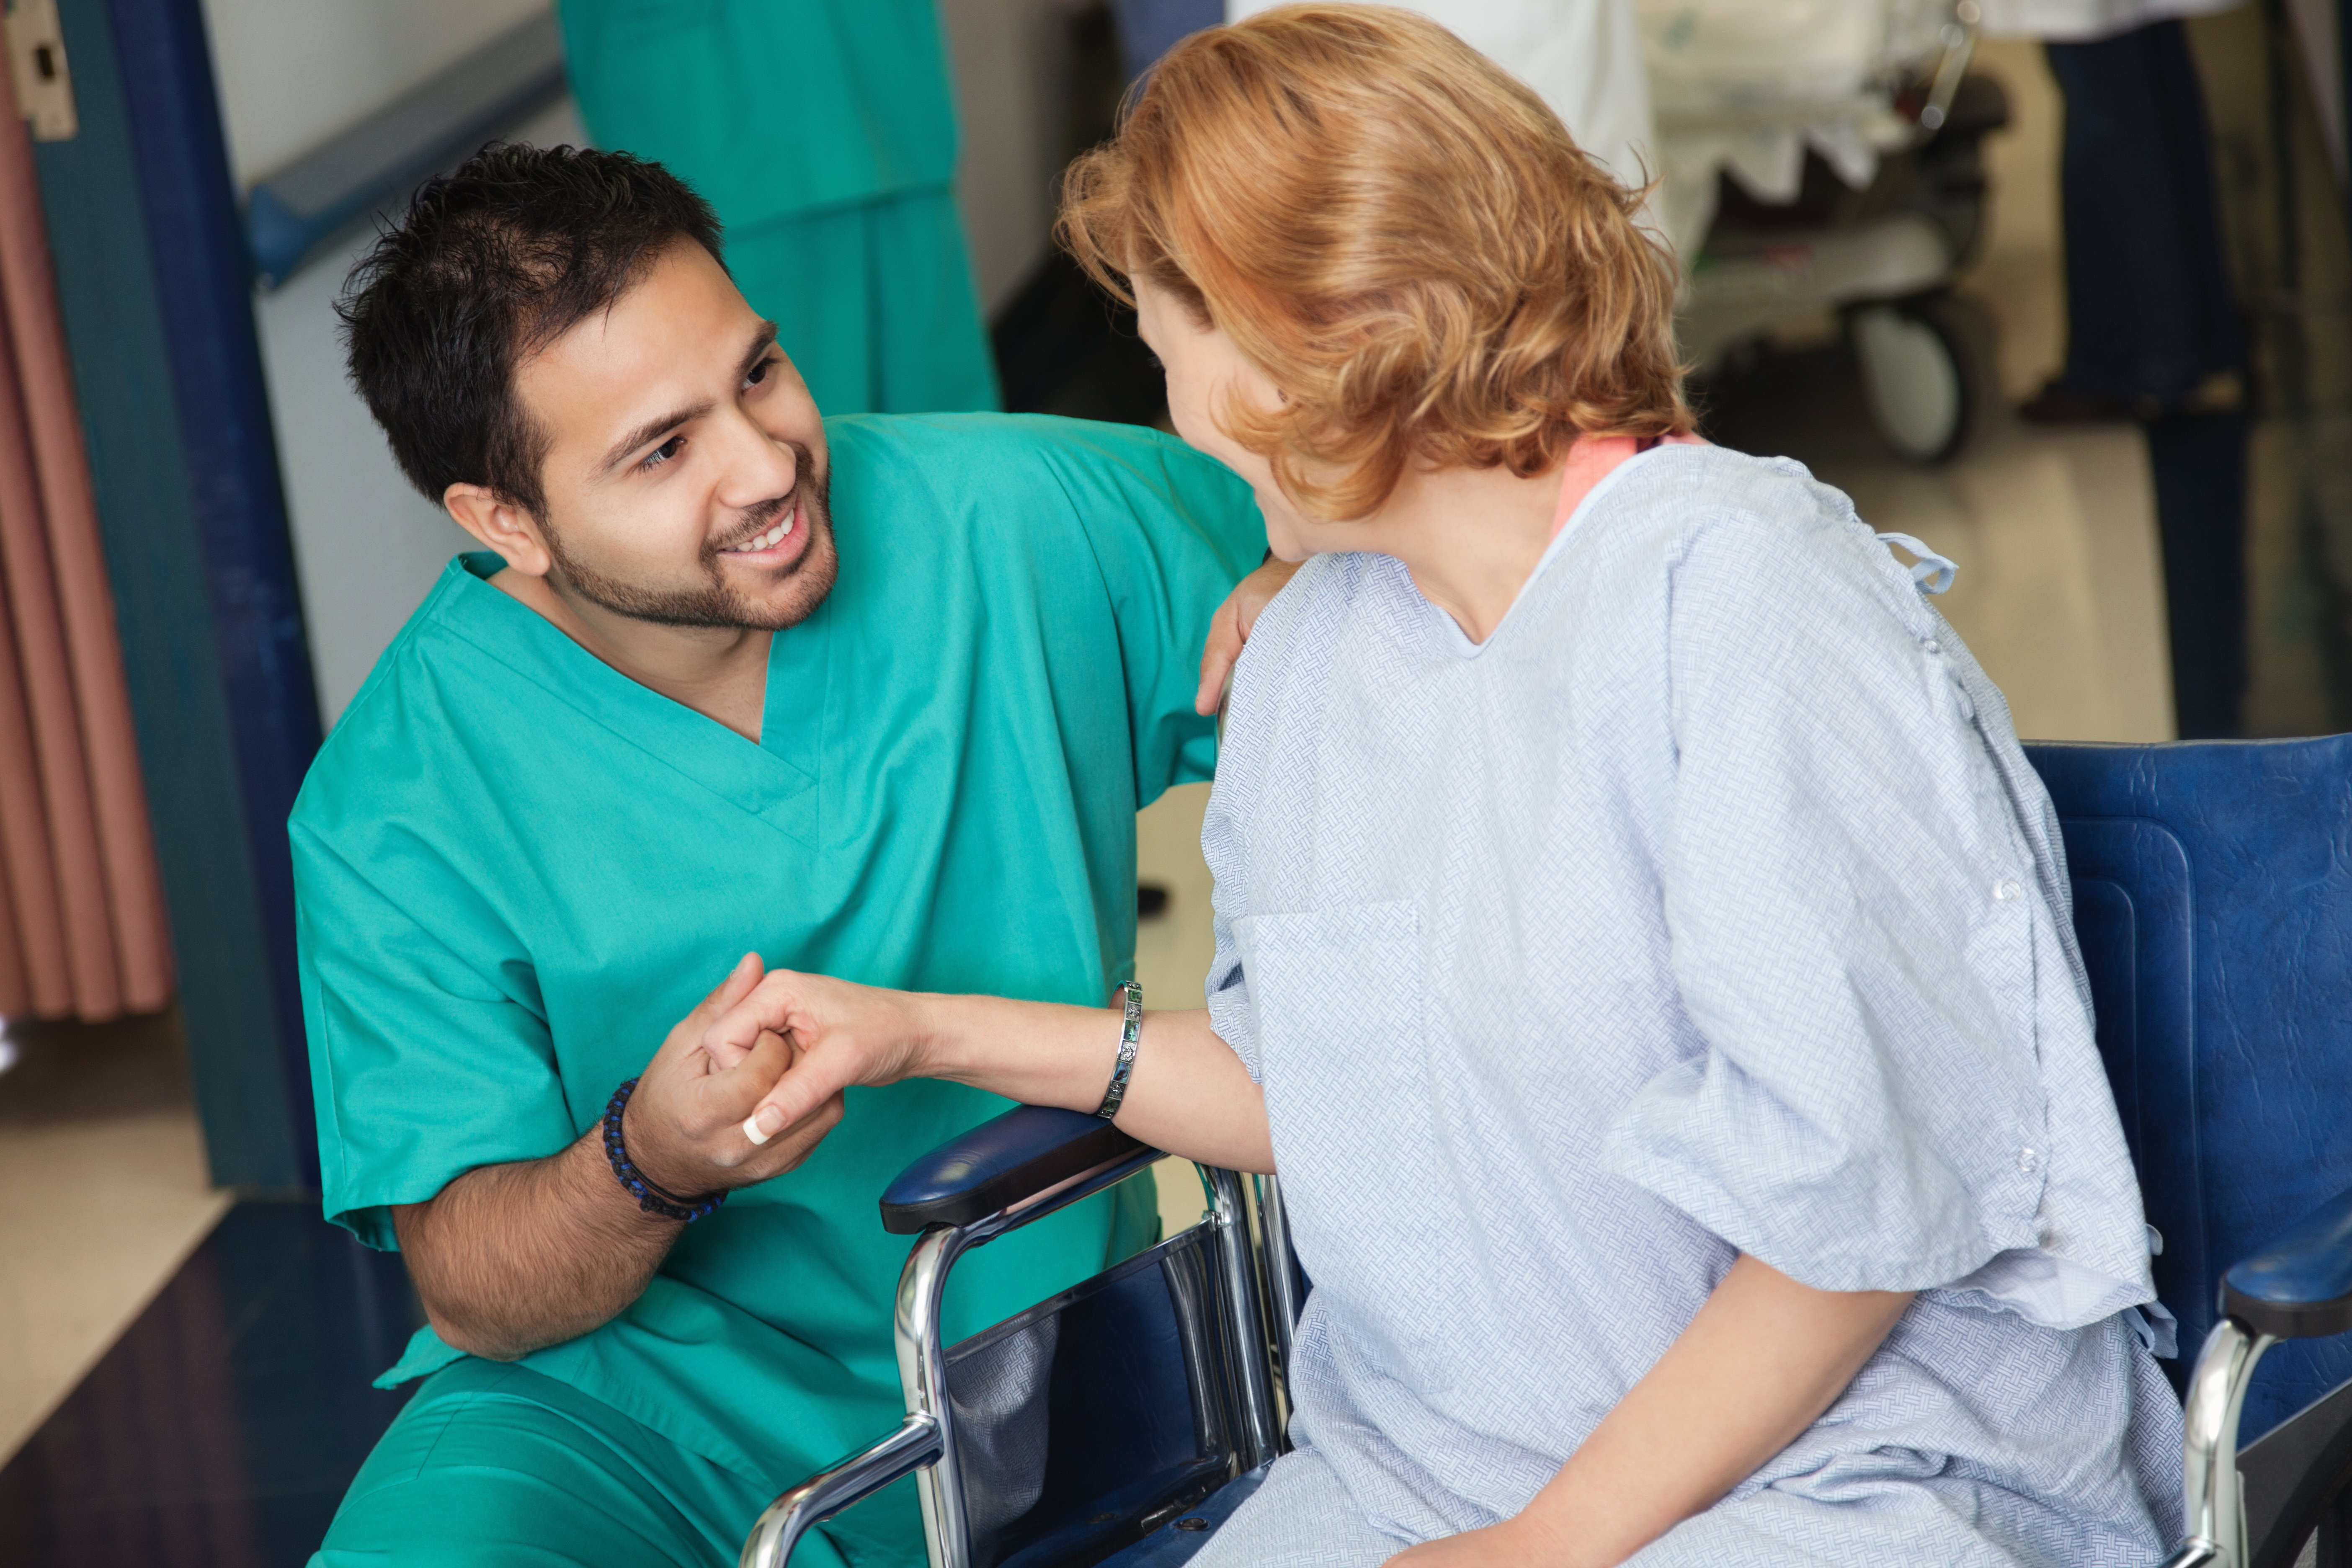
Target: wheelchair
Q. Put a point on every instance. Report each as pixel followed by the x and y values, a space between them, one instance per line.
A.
pixel 1123 1420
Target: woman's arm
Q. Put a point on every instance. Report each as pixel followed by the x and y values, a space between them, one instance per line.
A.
pixel 1757 1365
pixel 1188 1093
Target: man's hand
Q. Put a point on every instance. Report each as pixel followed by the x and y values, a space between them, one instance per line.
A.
pixel 1231 628
pixel 684 1125
pixel 508 1258
pixel 840 1035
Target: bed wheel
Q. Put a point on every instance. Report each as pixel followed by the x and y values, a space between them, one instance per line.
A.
pixel 1913 375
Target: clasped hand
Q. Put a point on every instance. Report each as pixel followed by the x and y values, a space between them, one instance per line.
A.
pixel 684 1124
pixel 839 1035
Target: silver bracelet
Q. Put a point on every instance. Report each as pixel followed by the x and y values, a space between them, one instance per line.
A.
pixel 1129 1035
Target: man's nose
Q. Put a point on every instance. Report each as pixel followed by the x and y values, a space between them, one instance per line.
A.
pixel 757 467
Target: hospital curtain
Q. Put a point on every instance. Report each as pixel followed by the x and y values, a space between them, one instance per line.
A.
pixel 83 930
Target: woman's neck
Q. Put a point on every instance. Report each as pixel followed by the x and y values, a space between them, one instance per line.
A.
pixel 1470 537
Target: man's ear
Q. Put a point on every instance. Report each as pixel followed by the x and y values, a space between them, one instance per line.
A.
pixel 501 525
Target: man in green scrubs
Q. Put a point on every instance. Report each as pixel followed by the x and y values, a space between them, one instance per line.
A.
pixel 877 696
pixel 825 133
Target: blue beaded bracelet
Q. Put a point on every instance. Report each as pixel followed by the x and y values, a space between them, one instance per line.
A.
pixel 651 1198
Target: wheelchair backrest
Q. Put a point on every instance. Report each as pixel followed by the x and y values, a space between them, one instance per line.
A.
pixel 1085 1420
pixel 2212 886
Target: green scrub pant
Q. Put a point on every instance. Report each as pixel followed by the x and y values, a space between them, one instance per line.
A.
pixel 498 1467
pixel 875 304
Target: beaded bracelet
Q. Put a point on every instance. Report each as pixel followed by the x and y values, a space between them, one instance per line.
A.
pixel 651 1197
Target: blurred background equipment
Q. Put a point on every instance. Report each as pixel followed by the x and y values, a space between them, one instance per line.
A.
pixel 1830 162
pixel 1583 57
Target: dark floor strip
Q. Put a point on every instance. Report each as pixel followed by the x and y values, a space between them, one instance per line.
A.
pixel 222 1429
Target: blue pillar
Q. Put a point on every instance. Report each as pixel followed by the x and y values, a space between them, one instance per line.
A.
pixel 156 294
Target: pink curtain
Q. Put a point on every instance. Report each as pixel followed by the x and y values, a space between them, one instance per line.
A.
pixel 82 928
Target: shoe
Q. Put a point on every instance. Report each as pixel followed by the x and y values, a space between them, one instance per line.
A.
pixel 2057 405
pixel 2224 391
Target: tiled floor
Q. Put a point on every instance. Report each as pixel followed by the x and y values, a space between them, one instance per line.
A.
pixel 221 1430
pixel 105 1172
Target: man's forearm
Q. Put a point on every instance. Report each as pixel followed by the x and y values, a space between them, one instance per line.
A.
pixel 511 1258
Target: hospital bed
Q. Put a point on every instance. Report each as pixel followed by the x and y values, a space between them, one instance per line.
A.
pixel 1123 1420
pixel 1822 157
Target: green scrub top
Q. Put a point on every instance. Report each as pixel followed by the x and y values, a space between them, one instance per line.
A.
pixel 517 868
pixel 769 108
pixel 824 133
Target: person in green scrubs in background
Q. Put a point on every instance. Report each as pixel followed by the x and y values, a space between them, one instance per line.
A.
pixel 825 133
pixel 878 696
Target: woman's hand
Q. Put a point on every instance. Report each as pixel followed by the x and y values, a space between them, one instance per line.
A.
pixel 1231 628
pixel 684 1125
pixel 1510 1545
pixel 842 1037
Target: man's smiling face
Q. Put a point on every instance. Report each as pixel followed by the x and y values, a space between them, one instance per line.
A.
pixel 685 470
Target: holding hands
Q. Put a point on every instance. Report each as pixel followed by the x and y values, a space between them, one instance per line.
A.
pixel 802 1039
pixel 684 1126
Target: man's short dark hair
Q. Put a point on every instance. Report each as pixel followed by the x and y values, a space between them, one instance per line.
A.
pixel 492 263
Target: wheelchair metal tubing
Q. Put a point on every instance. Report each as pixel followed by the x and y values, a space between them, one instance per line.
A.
pixel 922 1354
pixel 923 1376
pixel 1261 1434
pixel 2213 1500
pixel 819 1498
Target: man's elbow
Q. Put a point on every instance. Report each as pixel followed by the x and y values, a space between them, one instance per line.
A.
pixel 475 1339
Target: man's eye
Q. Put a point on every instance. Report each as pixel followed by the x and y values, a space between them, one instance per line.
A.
pixel 663 453
pixel 759 372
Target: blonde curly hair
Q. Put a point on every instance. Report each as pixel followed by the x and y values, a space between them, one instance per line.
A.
pixel 1399 234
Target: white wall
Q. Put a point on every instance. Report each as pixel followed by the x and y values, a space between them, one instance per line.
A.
pixel 1012 66
pixel 294 72
pixel 367 547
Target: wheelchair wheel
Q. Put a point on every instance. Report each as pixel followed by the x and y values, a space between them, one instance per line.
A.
pixel 1913 374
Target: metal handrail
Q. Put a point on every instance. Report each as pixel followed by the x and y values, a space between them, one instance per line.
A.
pixel 2214 1499
pixel 784 1521
pixel 293 213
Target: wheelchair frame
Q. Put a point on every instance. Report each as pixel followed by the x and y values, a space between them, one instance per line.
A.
pixel 937 1199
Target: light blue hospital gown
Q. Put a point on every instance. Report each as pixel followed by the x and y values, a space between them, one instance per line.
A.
pixel 1709 905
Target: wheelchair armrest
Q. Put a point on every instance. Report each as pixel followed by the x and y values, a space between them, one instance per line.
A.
pixel 1024 1153
pixel 2300 1286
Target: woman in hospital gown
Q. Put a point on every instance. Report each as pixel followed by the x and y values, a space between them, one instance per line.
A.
pixel 1633 903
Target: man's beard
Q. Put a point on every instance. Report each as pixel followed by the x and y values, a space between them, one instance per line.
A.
pixel 714 603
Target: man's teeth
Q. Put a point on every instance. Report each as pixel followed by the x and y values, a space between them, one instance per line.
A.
pixel 767 540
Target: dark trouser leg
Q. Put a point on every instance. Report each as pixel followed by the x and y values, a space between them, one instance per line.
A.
pixel 2199 461
pixel 2150 311
pixel 2150 316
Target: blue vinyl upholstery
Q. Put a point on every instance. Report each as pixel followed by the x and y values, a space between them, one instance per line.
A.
pixel 2301 1284
pixel 2213 897
pixel 997 1163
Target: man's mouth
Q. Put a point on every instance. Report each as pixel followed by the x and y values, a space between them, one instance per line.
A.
pixel 769 548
